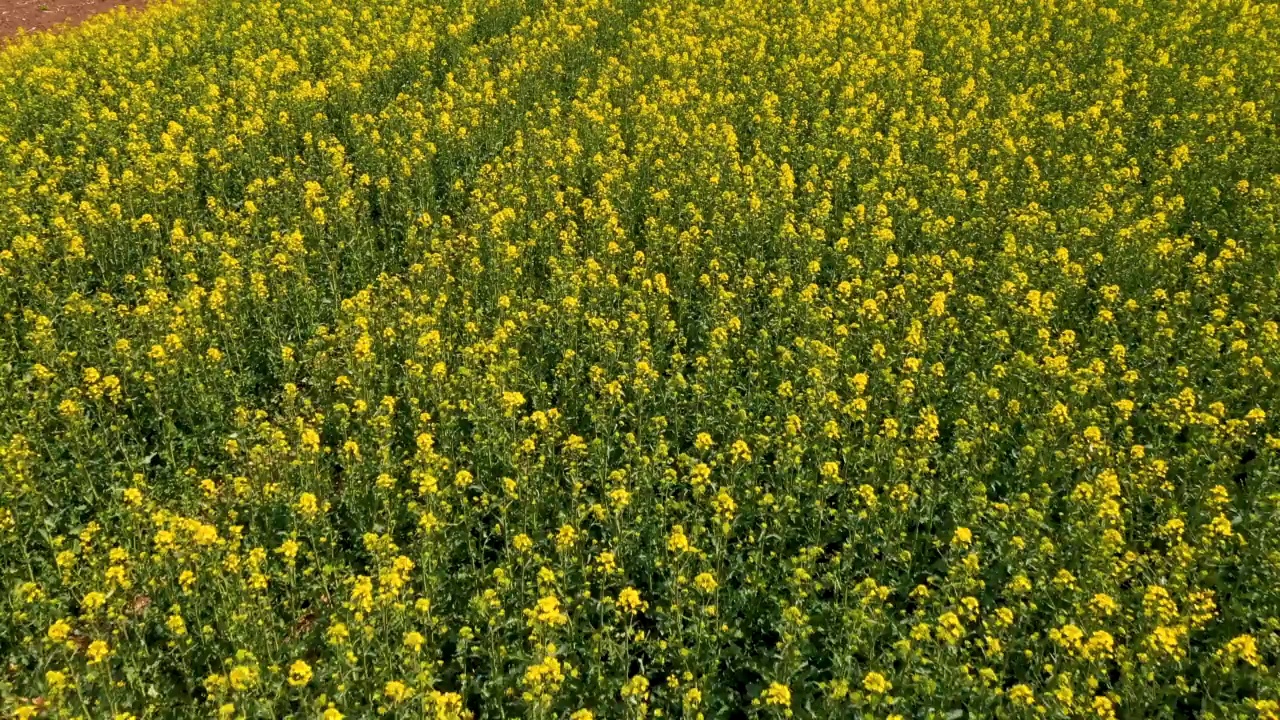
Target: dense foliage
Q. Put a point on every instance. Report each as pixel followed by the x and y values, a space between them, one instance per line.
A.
pixel 625 358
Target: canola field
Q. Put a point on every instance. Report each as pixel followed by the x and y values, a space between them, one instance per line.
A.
pixel 876 359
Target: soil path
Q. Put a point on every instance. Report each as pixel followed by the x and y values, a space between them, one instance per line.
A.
pixel 32 15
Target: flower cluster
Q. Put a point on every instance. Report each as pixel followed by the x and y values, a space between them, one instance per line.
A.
pixel 640 358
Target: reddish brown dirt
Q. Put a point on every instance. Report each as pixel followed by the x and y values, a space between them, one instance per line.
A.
pixel 35 15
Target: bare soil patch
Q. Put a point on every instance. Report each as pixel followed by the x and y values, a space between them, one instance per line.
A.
pixel 38 15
